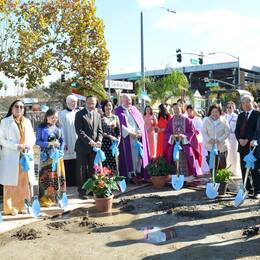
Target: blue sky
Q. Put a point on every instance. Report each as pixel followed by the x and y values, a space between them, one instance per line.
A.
pixel 231 26
pixel 199 25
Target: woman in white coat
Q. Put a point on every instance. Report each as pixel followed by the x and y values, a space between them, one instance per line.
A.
pixel 233 157
pixel 215 130
pixel 16 136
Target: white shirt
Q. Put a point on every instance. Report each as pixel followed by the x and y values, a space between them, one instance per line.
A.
pixel 132 126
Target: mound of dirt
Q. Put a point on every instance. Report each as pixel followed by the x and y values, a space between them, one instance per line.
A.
pixel 26 234
pixel 57 225
pixel 252 231
pixel 90 224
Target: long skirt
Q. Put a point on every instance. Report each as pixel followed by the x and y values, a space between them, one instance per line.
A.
pixel 14 196
pixel 49 184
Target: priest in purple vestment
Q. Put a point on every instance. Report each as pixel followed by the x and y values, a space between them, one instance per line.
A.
pixel 131 163
pixel 181 128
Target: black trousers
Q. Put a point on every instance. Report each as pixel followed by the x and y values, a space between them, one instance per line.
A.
pixel 71 172
pixel 85 163
pixel 253 181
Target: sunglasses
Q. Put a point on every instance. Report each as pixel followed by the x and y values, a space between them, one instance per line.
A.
pixel 229 107
pixel 17 106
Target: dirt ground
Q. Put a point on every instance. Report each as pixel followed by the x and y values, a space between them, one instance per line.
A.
pixel 149 224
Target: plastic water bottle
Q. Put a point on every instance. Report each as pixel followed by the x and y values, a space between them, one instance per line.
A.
pixel 1 218
pixel 155 235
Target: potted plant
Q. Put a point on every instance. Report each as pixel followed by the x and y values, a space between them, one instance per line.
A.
pixel 222 177
pixel 102 184
pixel 159 169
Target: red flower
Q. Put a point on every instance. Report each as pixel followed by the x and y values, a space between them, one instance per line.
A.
pixel 106 170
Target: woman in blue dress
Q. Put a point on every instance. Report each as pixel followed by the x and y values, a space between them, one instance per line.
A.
pixel 49 136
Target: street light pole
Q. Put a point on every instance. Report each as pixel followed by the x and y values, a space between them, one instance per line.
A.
pixel 142 56
pixel 142 49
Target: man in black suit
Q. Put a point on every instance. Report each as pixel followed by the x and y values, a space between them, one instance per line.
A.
pixel 245 131
pixel 256 142
pixel 89 130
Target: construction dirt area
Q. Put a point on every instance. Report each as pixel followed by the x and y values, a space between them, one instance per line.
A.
pixel 145 224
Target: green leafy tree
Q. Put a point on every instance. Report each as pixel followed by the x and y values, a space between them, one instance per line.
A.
pixel 42 36
pixel 165 88
pixel 58 90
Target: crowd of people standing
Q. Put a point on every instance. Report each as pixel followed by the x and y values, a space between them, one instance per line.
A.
pixel 71 135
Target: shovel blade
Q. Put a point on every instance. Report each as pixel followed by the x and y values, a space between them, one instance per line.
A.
pixel 33 208
pixel 240 198
pixel 212 190
pixel 177 181
pixel 63 201
pixel 36 208
pixel 122 185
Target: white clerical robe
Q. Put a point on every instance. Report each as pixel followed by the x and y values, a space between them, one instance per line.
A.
pixel 233 157
pixel 66 119
pixel 132 128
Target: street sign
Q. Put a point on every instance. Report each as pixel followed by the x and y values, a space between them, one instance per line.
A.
pixel 117 84
pixel 212 84
pixel 194 61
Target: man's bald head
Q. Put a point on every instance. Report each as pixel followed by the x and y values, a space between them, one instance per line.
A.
pixel 126 100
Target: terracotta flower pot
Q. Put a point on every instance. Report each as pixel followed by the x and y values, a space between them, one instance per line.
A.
pixel 104 204
pixel 159 181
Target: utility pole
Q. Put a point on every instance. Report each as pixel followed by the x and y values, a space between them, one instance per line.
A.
pixel 142 57
pixel 109 84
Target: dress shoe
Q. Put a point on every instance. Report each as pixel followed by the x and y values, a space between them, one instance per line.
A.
pixel 257 196
pixel 91 193
pixel 83 196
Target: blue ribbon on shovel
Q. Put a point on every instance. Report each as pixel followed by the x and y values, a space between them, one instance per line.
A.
pixel 176 151
pixel 139 148
pixel 100 156
pixel 114 148
pixel 55 155
pixel 25 161
pixel 250 160
pixel 213 153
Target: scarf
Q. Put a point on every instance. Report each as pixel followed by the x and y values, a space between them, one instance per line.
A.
pixel 20 124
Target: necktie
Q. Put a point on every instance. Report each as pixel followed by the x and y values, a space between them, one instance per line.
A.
pixel 90 118
pixel 243 127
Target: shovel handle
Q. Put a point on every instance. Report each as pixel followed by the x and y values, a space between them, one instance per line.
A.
pixel 178 167
pixel 214 170
pixel 247 172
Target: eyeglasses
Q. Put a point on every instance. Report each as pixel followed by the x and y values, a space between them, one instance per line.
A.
pixel 17 106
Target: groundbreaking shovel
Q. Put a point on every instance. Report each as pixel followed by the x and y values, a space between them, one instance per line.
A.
pixel 212 187
pixel 122 185
pixel 242 193
pixel 178 179
pixel 33 206
pixel 62 197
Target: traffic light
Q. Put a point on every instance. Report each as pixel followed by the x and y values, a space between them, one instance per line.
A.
pixel 179 57
pixel 62 77
pixel 200 60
